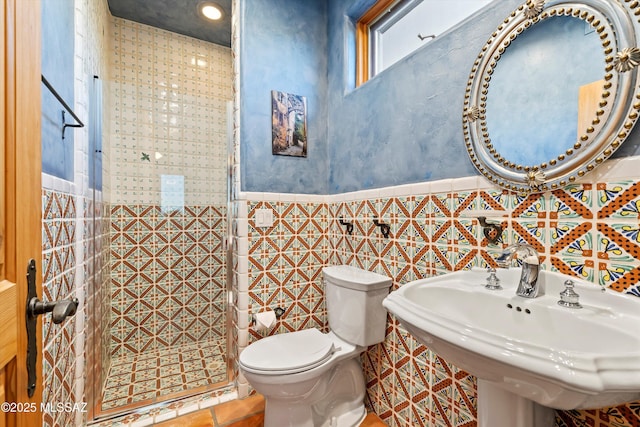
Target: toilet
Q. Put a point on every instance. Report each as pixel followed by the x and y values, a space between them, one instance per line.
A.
pixel 312 379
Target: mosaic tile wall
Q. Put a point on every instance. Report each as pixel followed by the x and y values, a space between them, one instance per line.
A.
pixel 588 230
pixel 61 343
pixel 285 264
pixel 167 277
pixel 169 96
pixel 72 254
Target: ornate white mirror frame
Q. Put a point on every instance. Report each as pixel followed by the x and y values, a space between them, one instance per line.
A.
pixel 617 23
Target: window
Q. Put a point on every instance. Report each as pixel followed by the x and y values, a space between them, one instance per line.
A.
pixel 392 29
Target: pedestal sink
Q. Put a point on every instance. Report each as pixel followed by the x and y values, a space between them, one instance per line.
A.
pixel 528 354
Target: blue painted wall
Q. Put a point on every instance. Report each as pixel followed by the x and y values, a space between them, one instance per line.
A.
pixel 403 126
pixel 283 46
pixel 58 69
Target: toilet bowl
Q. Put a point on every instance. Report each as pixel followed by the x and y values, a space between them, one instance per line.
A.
pixel 309 379
pixel 315 379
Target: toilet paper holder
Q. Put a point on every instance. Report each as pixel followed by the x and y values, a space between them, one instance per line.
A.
pixel 279 311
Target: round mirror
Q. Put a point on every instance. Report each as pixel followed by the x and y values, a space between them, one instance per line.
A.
pixel 551 94
pixel 536 85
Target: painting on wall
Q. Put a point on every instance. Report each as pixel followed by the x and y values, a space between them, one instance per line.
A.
pixel 289 124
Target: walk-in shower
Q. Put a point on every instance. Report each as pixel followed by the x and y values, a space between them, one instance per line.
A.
pixel 160 278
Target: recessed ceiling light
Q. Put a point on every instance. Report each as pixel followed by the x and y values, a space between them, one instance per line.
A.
pixel 210 10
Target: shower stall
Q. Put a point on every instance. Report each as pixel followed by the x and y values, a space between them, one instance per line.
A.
pixel 158 292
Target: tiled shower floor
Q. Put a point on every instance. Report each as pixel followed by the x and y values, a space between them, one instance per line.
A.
pixel 149 375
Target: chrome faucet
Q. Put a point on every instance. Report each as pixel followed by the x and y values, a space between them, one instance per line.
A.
pixel 528 286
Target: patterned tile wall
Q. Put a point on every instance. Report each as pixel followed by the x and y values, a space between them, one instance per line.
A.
pixel 432 233
pixel 168 276
pixel 587 230
pixel 285 264
pixel 61 344
pixel 167 165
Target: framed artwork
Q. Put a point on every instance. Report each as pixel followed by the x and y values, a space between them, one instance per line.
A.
pixel 288 124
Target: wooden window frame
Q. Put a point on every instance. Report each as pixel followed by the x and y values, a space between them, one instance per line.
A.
pixel 362 37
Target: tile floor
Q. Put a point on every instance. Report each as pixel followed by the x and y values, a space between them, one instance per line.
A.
pixel 162 372
pixel 248 412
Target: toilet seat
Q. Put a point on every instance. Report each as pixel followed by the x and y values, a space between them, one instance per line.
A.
pixel 288 353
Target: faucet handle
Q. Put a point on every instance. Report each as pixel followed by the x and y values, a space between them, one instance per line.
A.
pixel 493 283
pixel 568 297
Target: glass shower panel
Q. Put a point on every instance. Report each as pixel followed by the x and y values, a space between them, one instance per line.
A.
pixel 167 179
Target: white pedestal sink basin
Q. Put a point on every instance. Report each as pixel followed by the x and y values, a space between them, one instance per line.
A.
pixel 531 348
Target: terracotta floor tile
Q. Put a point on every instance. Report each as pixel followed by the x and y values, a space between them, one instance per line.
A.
pixel 236 409
pixel 202 418
pixel 372 420
pixel 240 413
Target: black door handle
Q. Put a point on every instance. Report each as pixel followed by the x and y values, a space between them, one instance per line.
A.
pixel 61 309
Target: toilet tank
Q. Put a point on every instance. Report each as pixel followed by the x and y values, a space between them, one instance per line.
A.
pixel 354 303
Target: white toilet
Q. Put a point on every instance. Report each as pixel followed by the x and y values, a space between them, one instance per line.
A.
pixel 311 379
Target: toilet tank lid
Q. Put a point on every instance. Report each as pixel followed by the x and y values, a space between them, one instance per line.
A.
pixel 355 278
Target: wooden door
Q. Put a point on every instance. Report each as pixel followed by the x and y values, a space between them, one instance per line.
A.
pixel 20 204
